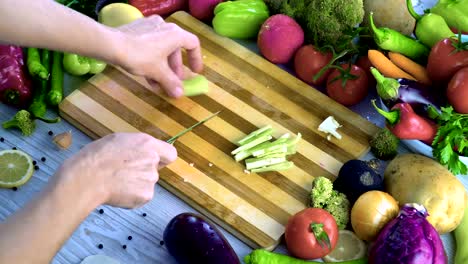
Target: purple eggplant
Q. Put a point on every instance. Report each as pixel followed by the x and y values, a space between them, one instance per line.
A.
pixel 190 238
pixel 418 95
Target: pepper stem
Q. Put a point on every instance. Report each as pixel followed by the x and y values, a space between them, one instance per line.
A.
pixel 320 235
pixel 379 35
pixel 392 117
pixel 387 88
pixel 409 5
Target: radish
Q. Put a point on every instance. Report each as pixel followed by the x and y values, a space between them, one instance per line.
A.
pixel 279 38
pixel 203 9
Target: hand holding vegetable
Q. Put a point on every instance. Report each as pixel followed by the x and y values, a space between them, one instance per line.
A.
pixel 153 49
pixel 126 180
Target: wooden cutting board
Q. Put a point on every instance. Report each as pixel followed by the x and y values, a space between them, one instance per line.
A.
pixel 251 92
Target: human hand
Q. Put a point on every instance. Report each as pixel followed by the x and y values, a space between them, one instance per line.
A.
pixel 121 168
pixel 153 48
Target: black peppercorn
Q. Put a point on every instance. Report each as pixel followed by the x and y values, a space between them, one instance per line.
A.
pixel 144 214
pixel 100 246
pixel 50 133
pixel 101 211
pixel 124 246
pixel 161 242
pixel 129 237
pixel 36 167
pixel 34 162
pixel 43 159
pixel 2 139
pixel 14 148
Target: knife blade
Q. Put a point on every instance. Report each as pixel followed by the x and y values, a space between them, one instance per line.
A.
pixel 174 138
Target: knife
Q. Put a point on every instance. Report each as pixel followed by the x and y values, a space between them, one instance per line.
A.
pixel 174 138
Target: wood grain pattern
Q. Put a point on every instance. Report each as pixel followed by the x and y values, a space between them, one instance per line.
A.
pixel 251 92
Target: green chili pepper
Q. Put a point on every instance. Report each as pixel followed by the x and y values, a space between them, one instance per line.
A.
pixel 55 94
pixel 454 12
pixel 38 106
pixel 392 40
pixel 240 19
pixel 80 65
pixel 35 67
pixel 430 28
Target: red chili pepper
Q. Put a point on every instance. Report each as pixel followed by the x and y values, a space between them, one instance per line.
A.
pixel 158 7
pixel 15 82
pixel 404 123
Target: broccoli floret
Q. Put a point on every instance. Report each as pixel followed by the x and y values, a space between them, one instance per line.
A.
pixel 337 204
pixel 384 144
pixel 323 22
pixel 322 189
pixel 339 207
pixel 22 120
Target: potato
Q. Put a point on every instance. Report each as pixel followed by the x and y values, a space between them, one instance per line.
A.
pixel 392 14
pixel 412 178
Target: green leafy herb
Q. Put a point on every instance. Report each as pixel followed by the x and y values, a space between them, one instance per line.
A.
pixel 451 139
pixel 86 7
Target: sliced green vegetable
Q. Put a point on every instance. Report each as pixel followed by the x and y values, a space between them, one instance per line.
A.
pixel 265 136
pixel 254 163
pixel 249 137
pixel 276 167
pixel 196 86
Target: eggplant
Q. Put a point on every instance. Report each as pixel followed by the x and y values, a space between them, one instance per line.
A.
pixel 357 177
pixel 418 95
pixel 190 238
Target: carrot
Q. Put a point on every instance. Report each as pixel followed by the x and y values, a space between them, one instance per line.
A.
pixel 385 66
pixel 411 67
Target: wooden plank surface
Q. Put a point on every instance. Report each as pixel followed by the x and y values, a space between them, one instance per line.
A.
pixel 251 92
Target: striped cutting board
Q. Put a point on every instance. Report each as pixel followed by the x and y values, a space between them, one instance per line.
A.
pixel 251 92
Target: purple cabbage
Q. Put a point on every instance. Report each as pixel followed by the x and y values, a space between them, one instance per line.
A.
pixel 408 239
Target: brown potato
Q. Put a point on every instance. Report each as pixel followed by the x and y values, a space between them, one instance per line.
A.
pixel 412 178
pixel 392 14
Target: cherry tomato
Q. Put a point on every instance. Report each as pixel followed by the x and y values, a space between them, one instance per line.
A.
pixel 444 61
pixel 158 7
pixel 308 61
pixel 457 91
pixel 348 86
pixel 303 237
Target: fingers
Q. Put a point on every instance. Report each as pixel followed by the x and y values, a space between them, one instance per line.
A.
pixel 176 64
pixel 169 81
pixel 189 42
pixel 167 152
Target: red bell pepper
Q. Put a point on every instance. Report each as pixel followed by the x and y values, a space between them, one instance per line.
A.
pixel 15 81
pixel 404 123
pixel 158 7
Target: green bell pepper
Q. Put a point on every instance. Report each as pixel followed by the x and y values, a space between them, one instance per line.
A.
pixel 430 27
pixel 79 65
pixel 454 12
pixel 240 19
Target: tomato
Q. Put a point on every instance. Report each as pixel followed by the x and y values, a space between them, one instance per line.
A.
pixel 355 88
pixel 365 64
pixel 308 61
pixel 300 238
pixel 457 91
pixel 158 7
pixel 445 60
